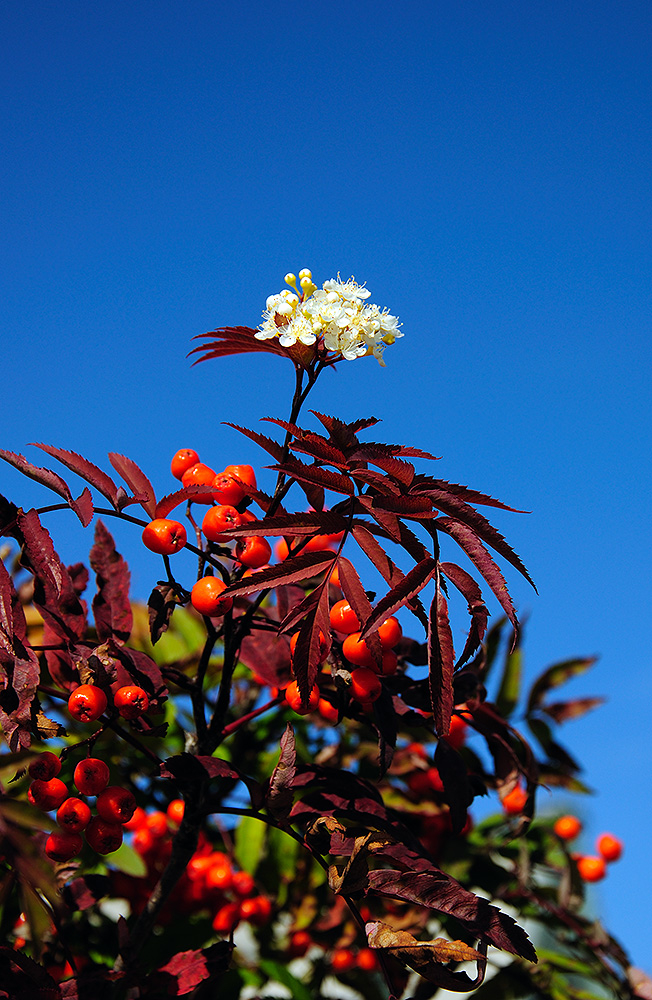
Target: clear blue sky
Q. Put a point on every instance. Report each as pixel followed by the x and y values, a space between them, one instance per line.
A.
pixel 485 167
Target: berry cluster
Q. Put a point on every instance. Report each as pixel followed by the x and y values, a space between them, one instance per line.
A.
pixel 590 867
pixel 114 806
pixel 210 882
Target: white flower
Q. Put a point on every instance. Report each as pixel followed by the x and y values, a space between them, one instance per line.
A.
pixel 336 314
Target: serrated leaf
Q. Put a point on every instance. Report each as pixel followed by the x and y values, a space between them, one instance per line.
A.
pixel 441 662
pixel 111 604
pixel 314 474
pixel 86 470
pixel 272 447
pixel 295 569
pixel 136 479
pixel 235 340
pixel 482 560
pixel 407 588
pixel 470 590
pixel 556 675
pixel 279 797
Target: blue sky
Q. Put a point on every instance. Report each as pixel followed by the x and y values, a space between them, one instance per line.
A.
pixel 484 167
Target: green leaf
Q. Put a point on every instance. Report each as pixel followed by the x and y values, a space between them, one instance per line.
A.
pixel 249 843
pixel 282 853
pixel 281 974
pixel 127 860
pixel 510 684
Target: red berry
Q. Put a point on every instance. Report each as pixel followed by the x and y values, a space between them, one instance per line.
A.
pixel 300 941
pixel 206 597
pixel 327 710
pixel 244 473
pixel 567 827
pixel 116 804
pixel 91 776
pixel 226 489
pixel 342 960
pixel 175 811
pixel 87 703
pixel 591 869
pixel 131 701
pixel 457 733
pixel 256 910
pixel 102 836
pixel 357 651
pixel 48 795
pixel 227 918
pixel 182 461
pixel 343 618
pixel 390 633
pixel 164 536
pixel 243 883
pixel 73 815
pixel 253 551
pixel 365 685
pixel 609 847
pixel 47 765
pixel 514 802
pixel 219 519
pixel 293 698
pixel 62 845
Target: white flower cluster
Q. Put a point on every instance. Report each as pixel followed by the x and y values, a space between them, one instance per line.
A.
pixel 335 313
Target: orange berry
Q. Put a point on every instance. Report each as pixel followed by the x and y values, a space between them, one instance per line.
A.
pixel 206 597
pixel 164 536
pixel 343 618
pixel 590 868
pixel 514 802
pixel 182 461
pixel 175 810
pixel 327 710
pixel 253 551
pixel 357 651
pixel 342 960
pixel 609 847
pixel 367 960
pixel 365 685
pixel 293 698
pixel 567 827
pixel 218 519
pixel 390 633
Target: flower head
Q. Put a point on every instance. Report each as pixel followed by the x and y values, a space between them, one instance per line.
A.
pixel 334 316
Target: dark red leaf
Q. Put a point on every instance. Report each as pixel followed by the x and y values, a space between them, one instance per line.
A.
pixel 473 519
pixel 425 484
pixel 404 591
pixel 389 522
pixel 304 566
pixel 162 602
pixel 272 447
pixel 54 593
pixel 556 675
pixel 235 340
pixel 83 506
pixel 111 604
pixel 186 971
pixel 379 482
pixel 268 656
pixel 376 553
pixel 356 595
pixel 561 711
pixel 307 657
pixel 477 609
pixel 86 891
pixel 22 977
pixel 172 500
pixel 341 434
pixel 441 662
pixel 185 767
pixel 440 892
pixel 280 796
pixel 87 470
pixel 467 539
pixel 306 523
pixel 136 479
pixel 325 478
